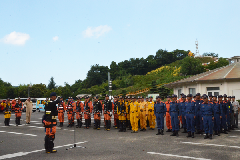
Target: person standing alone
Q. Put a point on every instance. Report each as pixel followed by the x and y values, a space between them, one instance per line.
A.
pixel 29 107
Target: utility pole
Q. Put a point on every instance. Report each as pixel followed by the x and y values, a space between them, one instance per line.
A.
pixel 109 84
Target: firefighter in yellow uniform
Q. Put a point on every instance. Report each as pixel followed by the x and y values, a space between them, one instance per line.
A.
pixel 121 111
pixel 142 114
pixel 134 115
pixel 127 104
pixel 150 113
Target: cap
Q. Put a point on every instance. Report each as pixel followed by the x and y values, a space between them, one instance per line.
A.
pixel 147 97
pixel 183 96
pixel 194 96
pixel 168 96
pixel 224 95
pixel 96 97
pixel 120 97
pixel 220 96
pixel 210 96
pixel 53 94
pixel 189 95
pixel 19 98
pixel 150 96
pixel 61 97
pixel 205 96
pixel 8 98
pixel 128 97
pixel 229 97
pixel 158 97
pixel 215 96
pixel 133 97
pixel 114 96
pixel 106 95
pixel 198 94
pixel 233 96
pixel 69 97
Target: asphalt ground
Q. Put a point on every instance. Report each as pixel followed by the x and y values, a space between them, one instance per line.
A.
pixel 27 142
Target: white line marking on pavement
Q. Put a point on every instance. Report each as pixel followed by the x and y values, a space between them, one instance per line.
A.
pixel 236 130
pixel 37 123
pixel 18 154
pixel 32 126
pixel 178 156
pixel 19 133
pixel 233 136
pixel 216 145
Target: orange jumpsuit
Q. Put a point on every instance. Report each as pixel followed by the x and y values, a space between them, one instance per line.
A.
pixel 116 118
pixel 79 110
pixel 61 110
pixel 87 113
pixel 168 117
pixel 70 114
pixel 18 112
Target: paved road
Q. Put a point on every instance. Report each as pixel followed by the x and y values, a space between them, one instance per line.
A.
pixel 26 142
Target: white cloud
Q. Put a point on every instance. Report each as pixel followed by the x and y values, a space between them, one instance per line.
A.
pixel 16 38
pixel 55 38
pixel 96 31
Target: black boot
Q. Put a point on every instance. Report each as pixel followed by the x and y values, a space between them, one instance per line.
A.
pixel 189 134
pixel 185 130
pixel 192 134
pixel 158 132
pixel 77 123
pixel 8 122
pixel 210 137
pixel 173 133
pixel 218 133
pixel 215 132
pixel 225 131
pixel 162 132
pixel 177 133
pixel 205 137
pixel 120 126
pixel 124 126
pixel 169 130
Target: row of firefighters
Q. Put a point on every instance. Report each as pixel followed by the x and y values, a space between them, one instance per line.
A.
pixel 214 114
pixel 12 107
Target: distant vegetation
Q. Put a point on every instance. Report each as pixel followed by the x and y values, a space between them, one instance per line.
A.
pixel 134 76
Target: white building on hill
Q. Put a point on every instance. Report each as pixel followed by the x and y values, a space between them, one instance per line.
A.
pixel 224 80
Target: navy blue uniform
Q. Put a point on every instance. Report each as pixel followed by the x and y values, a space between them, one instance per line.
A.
pixel 183 113
pixel 207 114
pixel 224 114
pixel 217 113
pixel 160 112
pixel 229 106
pixel 174 113
pixel 198 120
pixel 190 110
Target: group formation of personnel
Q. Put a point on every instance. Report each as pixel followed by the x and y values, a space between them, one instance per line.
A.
pixel 15 106
pixel 198 113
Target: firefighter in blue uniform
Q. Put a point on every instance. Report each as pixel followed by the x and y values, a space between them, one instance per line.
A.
pixel 217 116
pixel 198 119
pixel 160 113
pixel 223 105
pixel 174 113
pixel 207 117
pixel 183 113
pixel 190 111
pixel 230 107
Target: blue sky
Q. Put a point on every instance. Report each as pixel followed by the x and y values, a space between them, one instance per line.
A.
pixel 40 39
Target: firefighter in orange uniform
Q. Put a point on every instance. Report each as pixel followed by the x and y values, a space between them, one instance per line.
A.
pixel 61 110
pixel 18 111
pixel 70 109
pixel 97 108
pixel 114 109
pixel 168 117
pixel 50 122
pixel 79 110
pixel 107 112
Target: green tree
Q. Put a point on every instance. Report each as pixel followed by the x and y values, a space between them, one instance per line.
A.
pixel 191 66
pixel 210 54
pixel 52 84
pixel 38 90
